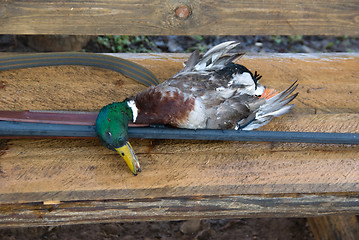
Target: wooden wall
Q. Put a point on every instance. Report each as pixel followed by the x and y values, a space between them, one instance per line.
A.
pixel 185 17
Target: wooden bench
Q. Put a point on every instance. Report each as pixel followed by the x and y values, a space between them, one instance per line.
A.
pixel 70 181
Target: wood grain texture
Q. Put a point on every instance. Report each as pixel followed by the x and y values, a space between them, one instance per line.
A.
pixel 82 171
pixel 335 227
pixel 205 17
pixel 174 208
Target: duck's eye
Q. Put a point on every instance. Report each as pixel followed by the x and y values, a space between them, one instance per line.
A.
pixel 108 134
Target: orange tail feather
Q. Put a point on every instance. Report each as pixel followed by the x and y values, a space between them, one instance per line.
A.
pixel 268 93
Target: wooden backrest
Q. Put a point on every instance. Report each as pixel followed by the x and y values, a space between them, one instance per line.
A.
pixel 180 17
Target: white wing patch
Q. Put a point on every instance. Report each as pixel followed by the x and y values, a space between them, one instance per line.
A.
pixel 244 82
pixel 241 79
pixel 260 90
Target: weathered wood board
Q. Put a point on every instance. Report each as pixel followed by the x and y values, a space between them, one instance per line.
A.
pixel 185 17
pixel 80 181
pixel 335 227
pixel 175 208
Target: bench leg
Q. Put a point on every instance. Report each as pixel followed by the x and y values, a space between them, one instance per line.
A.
pixel 335 227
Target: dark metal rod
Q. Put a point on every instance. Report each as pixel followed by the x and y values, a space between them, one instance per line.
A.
pixel 10 129
pixel 242 135
pixel 29 129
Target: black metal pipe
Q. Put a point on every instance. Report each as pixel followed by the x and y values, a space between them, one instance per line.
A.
pixel 242 135
pixel 29 129
pixel 10 129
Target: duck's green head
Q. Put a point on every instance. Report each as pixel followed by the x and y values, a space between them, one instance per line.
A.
pixel 112 129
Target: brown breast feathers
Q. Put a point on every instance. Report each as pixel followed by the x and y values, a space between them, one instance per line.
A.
pixel 157 106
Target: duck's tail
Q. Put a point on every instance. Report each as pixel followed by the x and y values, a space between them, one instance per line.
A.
pixel 274 106
pixel 214 59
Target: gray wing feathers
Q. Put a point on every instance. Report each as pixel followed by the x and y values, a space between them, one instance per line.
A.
pixel 273 107
pixel 216 58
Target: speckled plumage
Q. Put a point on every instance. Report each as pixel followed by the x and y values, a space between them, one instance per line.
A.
pixel 212 92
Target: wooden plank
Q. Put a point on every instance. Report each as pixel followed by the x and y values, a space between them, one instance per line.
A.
pixel 335 227
pixel 82 171
pixel 188 17
pixel 174 208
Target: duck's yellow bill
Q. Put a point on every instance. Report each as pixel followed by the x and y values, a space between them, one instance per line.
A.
pixel 130 158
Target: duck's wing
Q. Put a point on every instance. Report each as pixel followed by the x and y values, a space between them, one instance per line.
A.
pixel 248 112
pixel 264 111
pixel 214 59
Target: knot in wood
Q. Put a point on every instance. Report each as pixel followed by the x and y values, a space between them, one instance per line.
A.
pixel 182 12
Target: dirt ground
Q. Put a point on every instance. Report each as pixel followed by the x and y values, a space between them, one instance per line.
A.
pixel 256 228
